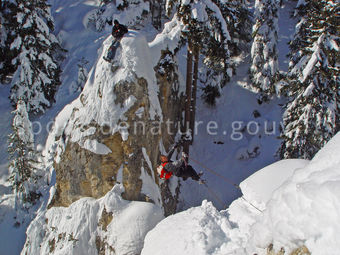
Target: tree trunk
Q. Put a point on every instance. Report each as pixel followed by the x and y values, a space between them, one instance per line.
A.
pixel 188 97
pixel 194 92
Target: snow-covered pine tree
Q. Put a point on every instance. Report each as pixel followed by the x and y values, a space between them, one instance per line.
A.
pixel 37 75
pixel 239 24
pixel 218 29
pixel 135 12
pixel 3 34
pixel 300 9
pixel 207 35
pixel 23 165
pixel 312 115
pixel 7 13
pixel 157 10
pixel 264 54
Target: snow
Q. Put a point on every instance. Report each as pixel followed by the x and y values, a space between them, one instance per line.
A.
pixel 200 230
pixel 149 188
pixel 300 206
pixel 22 123
pixel 305 209
pixel 12 239
pixel 212 6
pixel 233 137
pixel 309 90
pixel 299 200
pixel 272 176
pixel 310 66
pixel 120 174
pixel 139 112
pixel 137 54
pixel 77 228
pixel 96 147
pixel 168 39
pixel 97 102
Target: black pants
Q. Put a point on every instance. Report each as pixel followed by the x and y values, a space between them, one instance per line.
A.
pixel 187 171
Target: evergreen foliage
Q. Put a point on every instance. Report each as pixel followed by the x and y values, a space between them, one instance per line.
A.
pixel 23 164
pixel 35 47
pixel 219 30
pixel 7 35
pixel 210 94
pixel 137 10
pixel 312 115
pixel 264 54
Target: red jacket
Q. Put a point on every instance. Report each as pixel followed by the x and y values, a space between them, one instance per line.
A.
pixel 165 174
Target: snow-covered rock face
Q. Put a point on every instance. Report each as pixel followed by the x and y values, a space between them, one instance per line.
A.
pixel 114 132
pixel 109 225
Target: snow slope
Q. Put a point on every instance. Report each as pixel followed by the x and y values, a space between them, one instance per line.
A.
pixel 273 176
pixel 84 225
pixel 200 230
pixel 303 210
pixel 306 208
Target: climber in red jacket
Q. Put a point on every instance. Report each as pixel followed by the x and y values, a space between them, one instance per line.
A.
pixel 179 168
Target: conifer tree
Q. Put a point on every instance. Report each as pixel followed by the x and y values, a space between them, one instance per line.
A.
pixel 136 10
pixel 312 115
pixel 37 74
pixel 219 29
pixel 23 165
pixel 157 12
pixel 7 35
pixel 3 34
pixel 209 27
pixel 264 54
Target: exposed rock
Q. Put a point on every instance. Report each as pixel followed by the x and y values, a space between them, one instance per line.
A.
pixel 303 250
pixel 102 245
pixel 81 172
pixel 106 219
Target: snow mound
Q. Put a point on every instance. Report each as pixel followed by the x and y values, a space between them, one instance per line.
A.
pixel 305 209
pixel 270 177
pixel 88 225
pixel 299 201
pixel 199 230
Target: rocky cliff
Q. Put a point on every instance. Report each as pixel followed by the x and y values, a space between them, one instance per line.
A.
pixel 127 114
